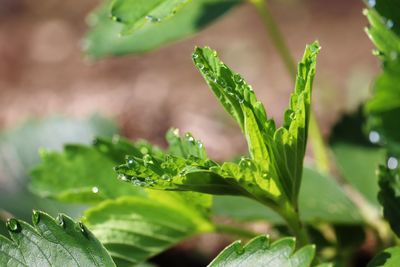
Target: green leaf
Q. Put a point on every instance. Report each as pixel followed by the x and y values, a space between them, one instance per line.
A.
pixel 104 38
pixel 357 164
pixel 136 228
pixel 384 107
pixel 335 207
pixel 51 243
pixel 390 257
pixel 260 252
pixel 271 175
pixel 85 173
pixel 134 14
pixel 389 196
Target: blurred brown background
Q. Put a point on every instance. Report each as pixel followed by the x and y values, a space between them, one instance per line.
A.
pixel 42 69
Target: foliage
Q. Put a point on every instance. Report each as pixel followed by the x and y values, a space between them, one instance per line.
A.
pixel 51 242
pixel 260 252
pixel 104 38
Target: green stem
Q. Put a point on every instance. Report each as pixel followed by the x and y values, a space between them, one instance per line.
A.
pixel 295 225
pixel 231 230
pixel 276 37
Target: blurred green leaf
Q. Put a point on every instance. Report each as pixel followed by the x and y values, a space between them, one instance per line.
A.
pixel 104 38
pixel 136 228
pixel 260 252
pixel 51 243
pixel 85 174
pixel 357 164
pixel 384 107
pixel 390 257
pixel 335 207
pixel 134 14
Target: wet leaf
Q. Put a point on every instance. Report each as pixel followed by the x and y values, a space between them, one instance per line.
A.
pixel 51 243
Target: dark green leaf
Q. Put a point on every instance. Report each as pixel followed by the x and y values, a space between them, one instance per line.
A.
pixel 136 228
pixel 51 243
pixel 260 252
pixel 104 37
pixel 389 196
pixel 390 257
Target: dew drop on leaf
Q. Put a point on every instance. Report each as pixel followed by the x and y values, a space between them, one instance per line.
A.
pixel 200 66
pixel 13 225
pixel 389 23
pixel 35 217
pixel 153 19
pixel 95 189
pixel 82 229
pixel 60 220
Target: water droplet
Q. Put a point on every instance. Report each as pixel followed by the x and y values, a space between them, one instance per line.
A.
pixel 189 138
pixel 195 55
pixel 240 99
pixel 222 82
pixel 200 145
pixel 374 137
pixel 237 78
pixel 166 177
pixel 115 139
pixel 147 159
pixel 13 225
pixel 60 220
pixel 122 177
pixel 95 189
pixel 82 228
pixel 389 23
pixel 115 18
pixel 215 54
pixel 200 66
pixel 130 161
pixel 392 163
pixel 35 217
pixel 371 3
pixel 153 19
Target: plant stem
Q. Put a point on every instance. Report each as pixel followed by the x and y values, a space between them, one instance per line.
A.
pixel 228 229
pixel 295 225
pixel 276 37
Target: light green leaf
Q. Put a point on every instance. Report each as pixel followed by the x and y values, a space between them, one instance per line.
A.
pixel 104 38
pixel 335 207
pixel 384 107
pixel 51 243
pixel 136 228
pixel 389 196
pixel 134 14
pixel 271 175
pixel 85 173
pixel 390 257
pixel 260 252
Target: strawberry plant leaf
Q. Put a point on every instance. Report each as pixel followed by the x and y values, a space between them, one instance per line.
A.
pixel 390 257
pixel 273 172
pixel 384 107
pixel 104 38
pixel 86 172
pixel 136 228
pixel 51 243
pixel 260 252
pixel 134 14
pixel 334 207
pixel 389 196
